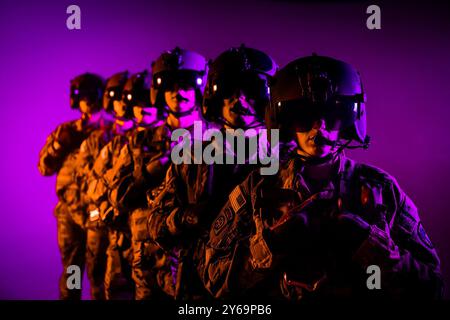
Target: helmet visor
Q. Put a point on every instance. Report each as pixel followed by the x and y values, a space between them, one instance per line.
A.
pixel 253 86
pixel 300 115
pixel 182 79
pixel 132 99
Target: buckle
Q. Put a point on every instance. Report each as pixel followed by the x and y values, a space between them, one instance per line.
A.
pixel 303 285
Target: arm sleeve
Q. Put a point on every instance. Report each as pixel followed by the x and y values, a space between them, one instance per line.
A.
pixel 163 206
pixel 97 190
pixel 236 257
pixel 407 258
pixel 52 157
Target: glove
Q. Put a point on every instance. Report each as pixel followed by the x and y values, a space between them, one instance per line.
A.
pixel 191 218
pixel 301 225
pixel 67 136
pixel 367 244
pixel 351 231
pixel 290 231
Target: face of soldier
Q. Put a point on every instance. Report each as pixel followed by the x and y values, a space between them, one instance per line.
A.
pixel 235 108
pixel 180 99
pixel 120 108
pixel 307 146
pixel 87 107
pixel 145 115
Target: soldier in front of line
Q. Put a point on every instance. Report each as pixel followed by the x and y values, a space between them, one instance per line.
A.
pixel 313 230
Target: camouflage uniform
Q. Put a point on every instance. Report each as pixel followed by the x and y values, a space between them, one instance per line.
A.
pixel 322 259
pixel 96 233
pixel 192 194
pixel 181 212
pixel 70 210
pixel 117 277
pixel 144 162
pixel 141 166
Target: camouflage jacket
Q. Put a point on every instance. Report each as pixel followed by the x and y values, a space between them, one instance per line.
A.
pixel 188 200
pixel 59 156
pixel 98 182
pixel 141 165
pixel 85 158
pixel 240 258
pixel 181 212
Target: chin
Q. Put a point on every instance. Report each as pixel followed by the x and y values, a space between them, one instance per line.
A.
pixel 184 106
pixel 318 152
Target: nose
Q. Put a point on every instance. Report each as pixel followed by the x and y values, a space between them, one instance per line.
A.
pixel 319 124
pixel 239 96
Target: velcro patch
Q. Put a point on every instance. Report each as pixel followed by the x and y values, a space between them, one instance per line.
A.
pixel 424 237
pixel 229 214
pixel 237 199
pixel 222 220
pixel 229 238
pixel 219 224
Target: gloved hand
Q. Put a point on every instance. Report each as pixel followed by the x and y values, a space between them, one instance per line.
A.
pixel 350 230
pixel 301 225
pixel 194 215
pixel 367 244
pixel 289 232
pixel 67 136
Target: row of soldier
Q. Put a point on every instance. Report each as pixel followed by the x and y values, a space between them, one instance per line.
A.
pixel 150 229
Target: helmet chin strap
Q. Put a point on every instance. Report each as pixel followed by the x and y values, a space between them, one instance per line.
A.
pixel 243 112
pixel 238 109
pixel 255 124
pixel 179 114
pixel 309 159
pixel 143 125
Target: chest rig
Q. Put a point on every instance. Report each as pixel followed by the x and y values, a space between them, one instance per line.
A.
pixel 355 189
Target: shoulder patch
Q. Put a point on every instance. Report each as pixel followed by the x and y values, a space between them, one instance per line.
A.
pixel 406 222
pixel 237 199
pixel 223 219
pixel 424 237
pixel 219 223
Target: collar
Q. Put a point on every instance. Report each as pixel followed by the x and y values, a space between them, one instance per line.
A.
pixel 292 177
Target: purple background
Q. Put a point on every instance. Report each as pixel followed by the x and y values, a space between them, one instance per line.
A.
pixel 405 68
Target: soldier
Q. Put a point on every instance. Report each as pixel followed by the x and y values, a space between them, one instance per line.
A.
pixel 59 156
pixel 236 94
pixel 97 235
pixel 177 88
pixel 312 230
pixel 135 98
